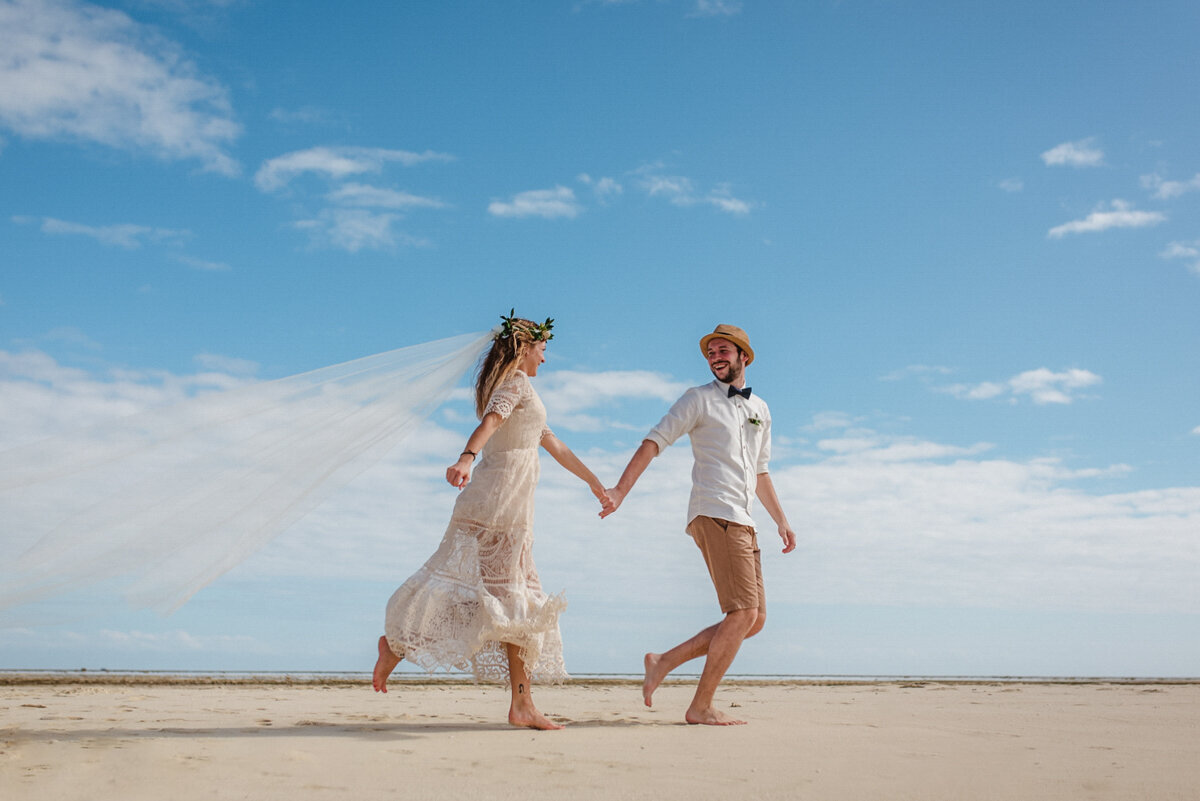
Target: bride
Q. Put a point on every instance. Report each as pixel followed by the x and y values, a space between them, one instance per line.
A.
pixel 477 603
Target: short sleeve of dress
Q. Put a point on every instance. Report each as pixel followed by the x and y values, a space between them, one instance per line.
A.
pixel 507 396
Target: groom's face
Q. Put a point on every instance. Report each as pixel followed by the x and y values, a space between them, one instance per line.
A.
pixel 725 360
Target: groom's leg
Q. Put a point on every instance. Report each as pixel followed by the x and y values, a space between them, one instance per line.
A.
pixel 735 565
pixel 731 554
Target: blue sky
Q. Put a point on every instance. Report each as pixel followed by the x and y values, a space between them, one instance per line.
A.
pixel 964 239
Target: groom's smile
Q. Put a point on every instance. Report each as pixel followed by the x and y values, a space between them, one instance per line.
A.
pixel 723 360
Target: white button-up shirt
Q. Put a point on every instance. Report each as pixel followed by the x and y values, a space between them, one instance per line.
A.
pixel 731 443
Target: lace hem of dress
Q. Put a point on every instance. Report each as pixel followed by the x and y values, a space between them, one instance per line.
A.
pixel 485 656
pixel 476 593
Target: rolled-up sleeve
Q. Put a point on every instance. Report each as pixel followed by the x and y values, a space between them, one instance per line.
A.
pixel 679 420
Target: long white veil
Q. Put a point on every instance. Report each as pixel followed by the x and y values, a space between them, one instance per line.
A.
pixel 160 504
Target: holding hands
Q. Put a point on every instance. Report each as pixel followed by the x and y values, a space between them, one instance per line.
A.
pixel 607 505
pixel 615 495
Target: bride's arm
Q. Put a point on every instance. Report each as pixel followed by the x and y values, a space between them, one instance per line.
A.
pixel 567 458
pixel 459 473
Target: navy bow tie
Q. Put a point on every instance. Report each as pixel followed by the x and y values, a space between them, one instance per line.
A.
pixel 745 393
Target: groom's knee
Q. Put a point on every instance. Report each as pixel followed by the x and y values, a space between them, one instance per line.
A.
pixel 746 619
pixel 760 620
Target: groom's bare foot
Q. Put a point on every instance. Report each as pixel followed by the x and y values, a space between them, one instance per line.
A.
pixel 711 717
pixel 654 676
pixel 383 666
pixel 531 719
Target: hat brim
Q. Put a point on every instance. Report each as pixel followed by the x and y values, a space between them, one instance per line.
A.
pixel 741 343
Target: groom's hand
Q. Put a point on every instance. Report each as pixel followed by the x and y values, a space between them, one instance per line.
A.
pixel 789 538
pixel 615 496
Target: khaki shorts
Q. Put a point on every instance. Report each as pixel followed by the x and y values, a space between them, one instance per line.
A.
pixel 734 562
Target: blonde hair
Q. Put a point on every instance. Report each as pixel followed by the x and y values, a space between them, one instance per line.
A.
pixel 502 360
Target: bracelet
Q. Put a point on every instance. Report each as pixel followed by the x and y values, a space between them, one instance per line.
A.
pixel 472 454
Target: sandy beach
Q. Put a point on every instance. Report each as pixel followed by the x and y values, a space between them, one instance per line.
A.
pixel 75 738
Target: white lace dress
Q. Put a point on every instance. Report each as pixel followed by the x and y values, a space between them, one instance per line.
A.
pixel 481 588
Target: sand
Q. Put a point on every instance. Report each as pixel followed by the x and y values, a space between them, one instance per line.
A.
pixel 70 739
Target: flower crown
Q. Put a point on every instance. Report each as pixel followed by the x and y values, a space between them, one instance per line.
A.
pixel 538 332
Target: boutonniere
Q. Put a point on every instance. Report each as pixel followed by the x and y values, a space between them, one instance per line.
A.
pixel 754 421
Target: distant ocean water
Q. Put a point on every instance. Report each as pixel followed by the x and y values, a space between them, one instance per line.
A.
pixel 102 676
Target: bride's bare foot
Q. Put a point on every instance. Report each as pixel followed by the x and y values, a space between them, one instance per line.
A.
pixel 654 676
pixel 384 666
pixel 530 718
pixel 711 717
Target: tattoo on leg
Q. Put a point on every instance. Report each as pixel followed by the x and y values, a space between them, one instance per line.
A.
pixel 520 689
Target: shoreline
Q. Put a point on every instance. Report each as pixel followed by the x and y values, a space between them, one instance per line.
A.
pixel 167 678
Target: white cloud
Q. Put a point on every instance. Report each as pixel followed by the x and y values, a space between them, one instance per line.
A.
pixel 336 163
pixel 1012 184
pixel 361 226
pixel 681 191
pixel 353 230
pixel 608 186
pixel 605 188
pixel 187 7
pixel 1120 215
pixel 716 8
pixel 893 521
pixel 721 198
pixel 132 642
pixel 371 196
pixel 824 421
pixel 226 364
pixel 1042 386
pixel 883 519
pixel 125 235
pixel 984 391
pixel 986 533
pixel 1196 430
pixel 203 264
pixel 72 337
pixel 699 8
pixel 40 398
pixel 568 394
pixel 174 640
pixel 1184 250
pixel 1165 190
pixel 80 72
pixel 677 188
pixel 1082 153
pixel 1045 386
pixel 547 203
pixel 866 445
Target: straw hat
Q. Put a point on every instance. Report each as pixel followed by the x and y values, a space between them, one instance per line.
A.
pixel 732 333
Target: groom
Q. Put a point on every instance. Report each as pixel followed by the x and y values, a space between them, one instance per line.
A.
pixel 730 431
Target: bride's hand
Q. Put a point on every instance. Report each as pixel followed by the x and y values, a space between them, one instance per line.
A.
pixel 607 505
pixel 459 473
